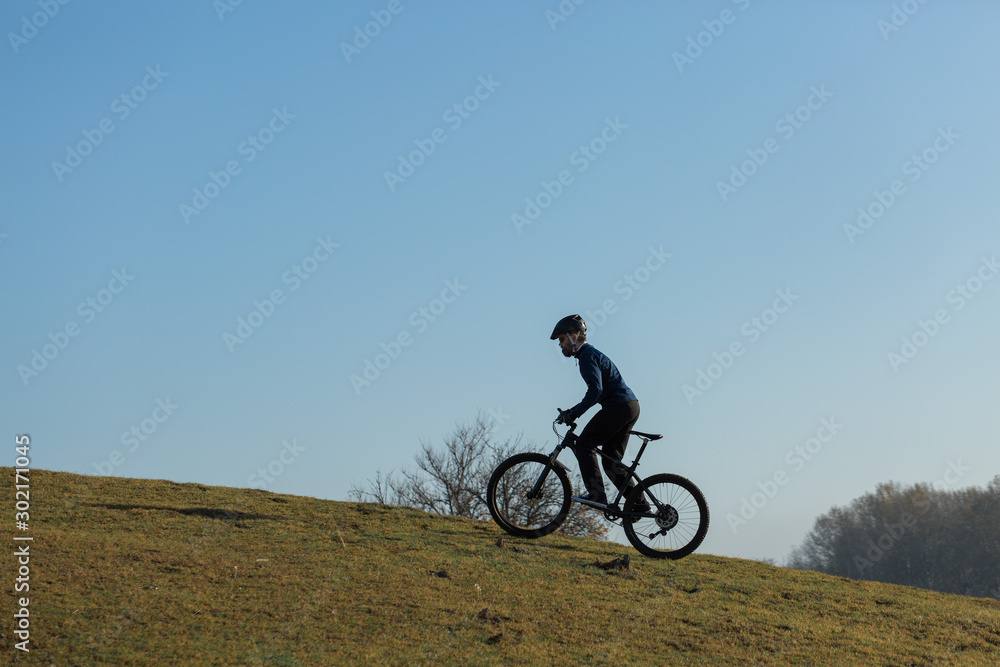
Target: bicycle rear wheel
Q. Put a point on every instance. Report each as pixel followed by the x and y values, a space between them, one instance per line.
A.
pixel 677 521
pixel 510 486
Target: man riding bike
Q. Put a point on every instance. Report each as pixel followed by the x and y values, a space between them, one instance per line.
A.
pixel 611 425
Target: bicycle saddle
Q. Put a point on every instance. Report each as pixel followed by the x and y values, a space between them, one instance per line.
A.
pixel 651 436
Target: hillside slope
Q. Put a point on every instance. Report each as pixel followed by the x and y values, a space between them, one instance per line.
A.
pixel 149 572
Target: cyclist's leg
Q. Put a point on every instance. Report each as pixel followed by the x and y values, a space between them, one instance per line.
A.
pixel 626 415
pixel 585 448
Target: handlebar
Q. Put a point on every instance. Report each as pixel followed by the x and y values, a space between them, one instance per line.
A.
pixel 572 427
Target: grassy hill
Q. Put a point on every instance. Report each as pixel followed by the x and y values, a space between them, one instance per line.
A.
pixel 157 573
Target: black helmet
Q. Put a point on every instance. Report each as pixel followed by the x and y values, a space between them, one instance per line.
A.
pixel 569 325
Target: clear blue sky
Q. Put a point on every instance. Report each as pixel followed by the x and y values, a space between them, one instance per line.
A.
pixel 201 87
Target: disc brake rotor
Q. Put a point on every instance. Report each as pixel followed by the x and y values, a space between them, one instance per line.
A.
pixel 667 517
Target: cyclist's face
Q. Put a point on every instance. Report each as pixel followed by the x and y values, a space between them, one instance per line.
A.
pixel 566 343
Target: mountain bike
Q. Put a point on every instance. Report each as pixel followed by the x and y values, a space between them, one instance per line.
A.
pixel 529 495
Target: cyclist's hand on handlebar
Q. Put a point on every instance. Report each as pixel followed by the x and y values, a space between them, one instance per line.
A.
pixel 565 417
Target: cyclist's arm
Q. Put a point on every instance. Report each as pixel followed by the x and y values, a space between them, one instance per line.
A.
pixel 591 372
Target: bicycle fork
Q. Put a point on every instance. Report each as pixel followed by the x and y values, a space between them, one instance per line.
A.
pixel 537 488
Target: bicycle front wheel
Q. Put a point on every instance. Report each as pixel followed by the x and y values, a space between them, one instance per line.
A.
pixel 677 521
pixel 527 496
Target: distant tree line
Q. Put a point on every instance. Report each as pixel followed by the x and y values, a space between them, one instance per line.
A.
pixel 451 479
pixel 943 540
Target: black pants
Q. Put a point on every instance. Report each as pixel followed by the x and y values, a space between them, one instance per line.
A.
pixel 609 427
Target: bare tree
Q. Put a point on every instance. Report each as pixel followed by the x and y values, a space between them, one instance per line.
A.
pixel 451 480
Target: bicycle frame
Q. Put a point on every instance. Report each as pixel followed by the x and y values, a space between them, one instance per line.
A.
pixel 566 441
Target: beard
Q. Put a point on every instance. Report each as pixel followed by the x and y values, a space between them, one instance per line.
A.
pixel 567 352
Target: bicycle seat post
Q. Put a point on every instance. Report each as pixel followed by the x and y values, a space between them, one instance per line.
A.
pixel 635 461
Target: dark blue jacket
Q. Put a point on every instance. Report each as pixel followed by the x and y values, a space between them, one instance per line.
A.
pixel 604 382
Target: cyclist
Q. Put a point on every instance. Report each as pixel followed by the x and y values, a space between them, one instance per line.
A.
pixel 611 425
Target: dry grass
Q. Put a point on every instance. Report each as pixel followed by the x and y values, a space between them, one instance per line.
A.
pixel 152 572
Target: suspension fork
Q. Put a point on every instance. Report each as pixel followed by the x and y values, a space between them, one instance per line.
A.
pixel 537 488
